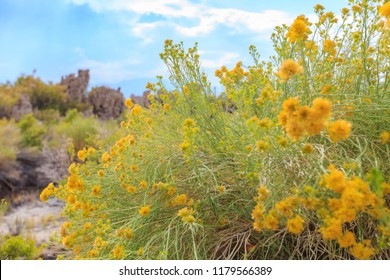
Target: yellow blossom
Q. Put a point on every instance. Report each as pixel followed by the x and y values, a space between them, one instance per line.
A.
pixel 295 225
pixel 339 130
pixel 288 69
pixel 385 137
pixel 144 210
pixel 129 103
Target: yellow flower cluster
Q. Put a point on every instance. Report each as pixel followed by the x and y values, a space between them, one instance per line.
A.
pixel 298 120
pixel 187 215
pixel 351 197
pixel 288 69
pixel 84 153
pixel 299 30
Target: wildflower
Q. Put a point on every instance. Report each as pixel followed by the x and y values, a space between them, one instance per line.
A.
pixel 291 105
pixel 282 141
pixel 307 148
pixel 333 230
pixel 271 222
pixel 335 180
pixel 385 136
pixel 189 122
pixel 339 130
pixel 263 193
pixel 129 234
pixel 143 185
pixel 82 154
pixel 326 88
pixel 136 111
pixel 180 199
pixel 100 173
pixel 118 252
pixel 295 225
pixel 329 47
pixel 96 190
pixel 299 30
pixel 134 168
pixel 385 10
pixel 87 226
pixel 167 107
pixel 321 108
pixel 288 69
pixel 185 145
pixel 106 157
pixel 140 251
pixel 188 219
pixel 258 212
pixel 220 189
pixel 144 210
pixel 185 212
pixel 347 239
pixel 262 145
pixel 362 251
pixel 129 103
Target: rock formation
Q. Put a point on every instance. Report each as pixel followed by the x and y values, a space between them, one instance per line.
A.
pixel 106 103
pixel 76 87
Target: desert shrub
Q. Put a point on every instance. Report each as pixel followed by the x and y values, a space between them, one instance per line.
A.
pixel 79 129
pixel 290 162
pixel 32 131
pixel 10 139
pixel 48 116
pixel 8 98
pixel 17 247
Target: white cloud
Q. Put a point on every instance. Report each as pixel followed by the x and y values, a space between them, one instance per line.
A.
pixel 208 17
pixel 226 58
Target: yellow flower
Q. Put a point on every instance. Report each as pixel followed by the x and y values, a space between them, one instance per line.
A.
pixel 307 148
pixel 180 199
pixel 82 154
pixel 288 69
pixel 220 189
pixel 143 185
pixel 271 222
pixel 258 212
pixel 321 108
pixel 326 88
pixel 263 193
pixel 347 239
pixel 96 190
pixel 385 10
pixel 362 251
pixel 189 122
pixel 140 251
pixel 188 219
pixel 262 145
pixel 291 105
pixel 101 173
pixel 339 130
pixel 144 210
pixel 118 252
pixel 136 111
pixel 333 230
pixel 299 30
pixel 129 103
pixel 129 234
pixel 185 212
pixel 295 225
pixel 385 136
pixel 335 180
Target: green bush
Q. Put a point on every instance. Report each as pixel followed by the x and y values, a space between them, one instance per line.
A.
pixel 32 131
pixel 17 247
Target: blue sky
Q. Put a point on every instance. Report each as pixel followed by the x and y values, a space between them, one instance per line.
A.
pixel 120 40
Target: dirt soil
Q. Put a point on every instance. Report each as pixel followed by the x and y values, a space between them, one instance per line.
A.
pixel 39 220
